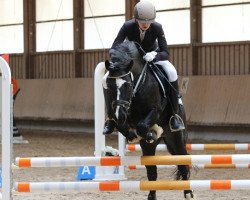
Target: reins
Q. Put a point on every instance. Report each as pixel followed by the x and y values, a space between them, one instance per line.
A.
pixel 140 78
pixel 152 63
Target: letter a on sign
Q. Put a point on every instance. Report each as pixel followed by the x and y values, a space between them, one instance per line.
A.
pixel 85 170
pixel 86 173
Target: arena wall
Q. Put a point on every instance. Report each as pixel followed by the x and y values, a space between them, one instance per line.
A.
pixel 55 99
pixel 208 100
pixel 217 100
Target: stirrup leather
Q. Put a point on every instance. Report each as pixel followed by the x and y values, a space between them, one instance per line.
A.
pixel 179 118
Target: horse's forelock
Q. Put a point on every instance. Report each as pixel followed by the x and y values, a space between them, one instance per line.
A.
pixel 123 53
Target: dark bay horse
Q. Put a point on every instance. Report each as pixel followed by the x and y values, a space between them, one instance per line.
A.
pixel 140 110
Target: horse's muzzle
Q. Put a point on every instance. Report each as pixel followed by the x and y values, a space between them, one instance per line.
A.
pixel 121 116
pixel 121 108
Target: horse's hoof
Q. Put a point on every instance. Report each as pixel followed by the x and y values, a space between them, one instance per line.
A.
pixel 189 195
pixel 134 141
pixel 109 127
pixel 151 137
pixel 152 196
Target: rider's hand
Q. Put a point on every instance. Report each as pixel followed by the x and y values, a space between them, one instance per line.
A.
pixel 150 56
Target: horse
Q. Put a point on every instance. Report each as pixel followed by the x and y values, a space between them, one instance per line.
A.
pixel 140 110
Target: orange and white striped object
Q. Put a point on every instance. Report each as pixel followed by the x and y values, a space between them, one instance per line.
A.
pixel 194 147
pixel 132 160
pixel 206 166
pixel 132 185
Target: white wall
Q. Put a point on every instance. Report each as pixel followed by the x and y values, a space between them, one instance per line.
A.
pixel 222 23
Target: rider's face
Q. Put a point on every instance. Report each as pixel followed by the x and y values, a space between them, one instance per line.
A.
pixel 144 26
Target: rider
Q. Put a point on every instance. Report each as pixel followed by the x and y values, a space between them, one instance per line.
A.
pixel 149 34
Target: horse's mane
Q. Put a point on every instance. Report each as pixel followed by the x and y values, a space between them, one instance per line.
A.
pixel 123 53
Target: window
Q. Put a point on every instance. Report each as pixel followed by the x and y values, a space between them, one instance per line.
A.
pixel 222 2
pixel 176 25
pixel 175 18
pixel 102 23
pixel 54 25
pixel 11 26
pixel 229 22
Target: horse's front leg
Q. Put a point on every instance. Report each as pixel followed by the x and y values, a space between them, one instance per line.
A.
pixel 149 150
pixel 127 133
pixel 145 127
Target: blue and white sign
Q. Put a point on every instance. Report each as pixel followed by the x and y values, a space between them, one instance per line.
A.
pixel 86 173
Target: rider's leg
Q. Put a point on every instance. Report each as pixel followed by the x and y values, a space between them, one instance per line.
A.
pixel 176 123
pixel 110 124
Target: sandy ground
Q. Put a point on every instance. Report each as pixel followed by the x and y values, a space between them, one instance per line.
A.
pixel 43 143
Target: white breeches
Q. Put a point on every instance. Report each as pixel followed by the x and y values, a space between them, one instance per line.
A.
pixel 169 69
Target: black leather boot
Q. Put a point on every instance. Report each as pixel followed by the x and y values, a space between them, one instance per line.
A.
pixel 176 123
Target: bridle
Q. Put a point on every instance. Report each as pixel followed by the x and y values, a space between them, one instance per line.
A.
pixel 123 103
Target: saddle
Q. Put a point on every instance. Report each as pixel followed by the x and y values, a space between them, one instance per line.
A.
pixel 161 78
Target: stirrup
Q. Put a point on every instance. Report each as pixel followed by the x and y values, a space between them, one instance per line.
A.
pixel 182 127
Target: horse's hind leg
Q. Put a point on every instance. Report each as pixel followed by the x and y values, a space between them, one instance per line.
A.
pixel 149 150
pixel 184 174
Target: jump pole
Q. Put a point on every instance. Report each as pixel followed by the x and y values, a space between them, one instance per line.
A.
pixel 200 166
pixel 5 108
pixel 113 186
pixel 101 173
pixel 132 160
pixel 202 147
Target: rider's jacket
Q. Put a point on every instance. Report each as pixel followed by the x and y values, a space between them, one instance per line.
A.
pixel 154 39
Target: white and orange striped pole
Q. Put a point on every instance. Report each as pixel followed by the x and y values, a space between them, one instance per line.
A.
pixel 113 186
pixel 206 166
pixel 132 160
pixel 194 147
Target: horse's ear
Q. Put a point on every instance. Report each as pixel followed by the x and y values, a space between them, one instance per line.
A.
pixel 107 64
pixel 131 64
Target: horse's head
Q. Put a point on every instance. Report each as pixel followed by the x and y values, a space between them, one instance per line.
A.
pixel 119 88
pixel 117 69
pixel 119 83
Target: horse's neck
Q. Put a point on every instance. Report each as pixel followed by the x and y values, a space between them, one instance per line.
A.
pixel 137 68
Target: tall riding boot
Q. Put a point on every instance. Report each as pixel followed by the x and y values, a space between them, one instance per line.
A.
pixel 110 124
pixel 176 123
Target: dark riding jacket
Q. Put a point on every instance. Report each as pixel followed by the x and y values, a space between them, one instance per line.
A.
pixel 154 39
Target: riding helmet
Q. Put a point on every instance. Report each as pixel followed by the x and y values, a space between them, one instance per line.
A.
pixel 144 12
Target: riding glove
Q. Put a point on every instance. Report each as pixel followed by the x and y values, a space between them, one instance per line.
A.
pixel 150 56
